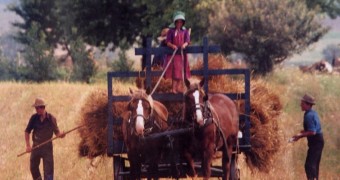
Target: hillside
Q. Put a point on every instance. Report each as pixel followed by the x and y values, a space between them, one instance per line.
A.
pixel 65 100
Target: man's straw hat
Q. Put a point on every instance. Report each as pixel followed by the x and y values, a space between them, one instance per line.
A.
pixel 309 99
pixel 39 102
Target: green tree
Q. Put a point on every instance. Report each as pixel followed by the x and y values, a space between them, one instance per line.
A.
pixel 159 14
pixel 39 62
pixel 104 22
pixel 4 68
pixel 267 32
pixel 84 67
pixel 54 21
pixel 122 63
pixel 39 12
pixel 330 7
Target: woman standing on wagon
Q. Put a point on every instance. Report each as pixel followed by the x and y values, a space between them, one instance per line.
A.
pixel 177 38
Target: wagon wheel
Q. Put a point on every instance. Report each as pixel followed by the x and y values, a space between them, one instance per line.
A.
pixel 119 166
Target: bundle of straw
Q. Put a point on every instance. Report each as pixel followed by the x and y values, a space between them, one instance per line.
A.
pixel 94 115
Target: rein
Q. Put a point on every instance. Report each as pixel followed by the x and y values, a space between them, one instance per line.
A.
pixel 160 78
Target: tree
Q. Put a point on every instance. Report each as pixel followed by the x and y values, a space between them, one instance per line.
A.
pixel 265 31
pixel 330 7
pixel 104 22
pixel 4 67
pixel 122 63
pixel 42 13
pixel 160 14
pixel 84 66
pixel 39 62
pixel 53 22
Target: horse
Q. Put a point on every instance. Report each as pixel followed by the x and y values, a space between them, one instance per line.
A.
pixel 144 116
pixel 215 120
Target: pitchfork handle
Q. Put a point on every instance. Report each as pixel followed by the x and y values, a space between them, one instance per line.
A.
pixel 43 143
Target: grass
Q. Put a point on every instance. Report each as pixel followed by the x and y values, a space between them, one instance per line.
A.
pixel 65 100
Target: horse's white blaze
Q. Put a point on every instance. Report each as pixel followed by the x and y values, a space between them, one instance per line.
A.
pixel 199 115
pixel 139 119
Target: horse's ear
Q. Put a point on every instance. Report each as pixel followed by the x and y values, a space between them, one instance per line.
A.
pixel 131 92
pixel 140 83
pixel 187 83
pixel 202 82
pixel 148 90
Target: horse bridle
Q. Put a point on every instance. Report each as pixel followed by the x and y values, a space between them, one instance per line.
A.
pixel 203 107
pixel 147 120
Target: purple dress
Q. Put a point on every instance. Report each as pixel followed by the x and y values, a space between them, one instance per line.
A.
pixel 175 69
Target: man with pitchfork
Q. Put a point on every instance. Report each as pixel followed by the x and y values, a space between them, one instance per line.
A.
pixel 43 125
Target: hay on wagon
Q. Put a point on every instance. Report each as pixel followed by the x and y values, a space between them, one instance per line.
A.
pixel 265 113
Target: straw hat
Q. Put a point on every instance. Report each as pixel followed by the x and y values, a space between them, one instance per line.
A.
pixel 309 99
pixel 39 102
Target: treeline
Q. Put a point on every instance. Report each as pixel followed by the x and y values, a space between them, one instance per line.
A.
pixel 264 32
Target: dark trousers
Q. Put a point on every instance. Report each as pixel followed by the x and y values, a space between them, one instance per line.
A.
pixel 46 154
pixel 315 146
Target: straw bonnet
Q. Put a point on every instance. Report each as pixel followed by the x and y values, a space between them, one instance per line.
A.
pixel 309 99
pixel 178 15
pixel 39 102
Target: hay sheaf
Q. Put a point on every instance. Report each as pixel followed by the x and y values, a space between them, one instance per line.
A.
pixel 94 115
pixel 266 136
pixel 265 112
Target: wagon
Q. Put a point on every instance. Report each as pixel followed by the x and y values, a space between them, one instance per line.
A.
pixel 116 148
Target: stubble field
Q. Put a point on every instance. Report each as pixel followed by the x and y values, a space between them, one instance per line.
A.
pixel 66 99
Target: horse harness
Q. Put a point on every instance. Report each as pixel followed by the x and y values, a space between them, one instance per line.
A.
pixel 208 118
pixel 150 123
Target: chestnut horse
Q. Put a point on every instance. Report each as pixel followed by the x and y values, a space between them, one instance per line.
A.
pixel 144 117
pixel 215 119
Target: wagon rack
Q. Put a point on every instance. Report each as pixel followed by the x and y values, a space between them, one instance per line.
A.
pixel 116 147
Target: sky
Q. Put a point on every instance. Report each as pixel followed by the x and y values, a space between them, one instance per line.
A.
pixel 311 55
